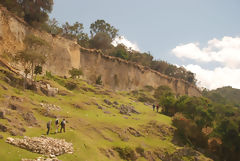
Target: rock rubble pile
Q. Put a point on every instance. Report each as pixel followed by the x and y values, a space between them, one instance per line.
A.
pixel 42 145
pixel 50 107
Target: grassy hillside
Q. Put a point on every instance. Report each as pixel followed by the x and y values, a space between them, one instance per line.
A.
pixel 95 127
pixel 224 95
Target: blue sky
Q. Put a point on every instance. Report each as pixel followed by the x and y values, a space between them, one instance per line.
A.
pixel 159 26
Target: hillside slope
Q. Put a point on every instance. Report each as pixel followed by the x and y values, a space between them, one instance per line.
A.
pixel 102 125
pixel 225 95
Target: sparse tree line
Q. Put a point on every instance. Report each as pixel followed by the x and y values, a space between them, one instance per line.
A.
pixel 213 127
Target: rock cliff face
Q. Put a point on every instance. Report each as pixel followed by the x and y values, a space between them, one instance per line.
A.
pixel 116 74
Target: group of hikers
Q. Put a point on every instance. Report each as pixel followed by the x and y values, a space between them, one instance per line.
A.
pixel 155 106
pixel 62 124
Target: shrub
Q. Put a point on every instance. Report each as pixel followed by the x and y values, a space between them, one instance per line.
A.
pixel 71 85
pixel 99 80
pixel 75 73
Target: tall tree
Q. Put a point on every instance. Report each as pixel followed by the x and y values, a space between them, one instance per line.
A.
pixel 36 10
pixel 35 54
pixel 100 26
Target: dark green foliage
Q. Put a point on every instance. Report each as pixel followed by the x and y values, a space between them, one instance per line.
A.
pixel 38 69
pixel 101 41
pixel 193 115
pixel 70 85
pixel 75 73
pixel 224 95
pixel 100 26
pixel 53 28
pixel 34 12
pixel 144 59
pixel 162 90
pixel 120 51
pixel 126 153
pixel 99 80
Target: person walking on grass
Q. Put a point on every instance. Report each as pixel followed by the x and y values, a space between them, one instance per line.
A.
pixel 57 125
pixel 63 123
pixel 153 106
pixel 49 126
pixel 157 108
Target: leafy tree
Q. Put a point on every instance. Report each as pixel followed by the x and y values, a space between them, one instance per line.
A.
pixel 34 55
pixel 120 51
pixel 36 10
pixel 53 27
pixel 162 91
pixel 100 26
pixel 37 70
pixel 101 41
pixel 99 80
pixel 75 31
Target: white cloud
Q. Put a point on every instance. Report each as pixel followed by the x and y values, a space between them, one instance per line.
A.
pixel 126 42
pixel 219 77
pixel 225 51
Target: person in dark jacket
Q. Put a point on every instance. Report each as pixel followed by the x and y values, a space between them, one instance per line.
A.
pixel 49 126
pixel 153 106
pixel 63 124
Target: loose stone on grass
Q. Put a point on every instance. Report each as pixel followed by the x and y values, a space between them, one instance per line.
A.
pixel 42 145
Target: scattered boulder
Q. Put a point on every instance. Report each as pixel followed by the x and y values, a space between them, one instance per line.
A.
pixel 30 118
pixel 3 128
pixel 17 99
pixel 2 114
pixel 115 103
pixel 50 107
pixel 127 110
pixel 42 145
pixel 107 102
pixel 107 112
pixel 134 132
pixel 48 90
pixel 15 132
pixel 126 153
pixel 4 87
pixel 101 108
pixel 42 159
pixel 107 152
pixel 13 106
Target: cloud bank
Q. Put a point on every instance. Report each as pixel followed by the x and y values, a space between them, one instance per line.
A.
pixel 126 42
pixel 225 51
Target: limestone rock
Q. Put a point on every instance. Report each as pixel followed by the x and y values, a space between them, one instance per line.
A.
pixel 107 102
pixel 2 114
pixel 127 110
pixel 43 145
pixel 3 128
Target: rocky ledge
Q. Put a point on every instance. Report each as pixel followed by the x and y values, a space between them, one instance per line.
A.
pixel 42 145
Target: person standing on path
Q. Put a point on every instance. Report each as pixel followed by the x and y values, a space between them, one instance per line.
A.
pixel 57 125
pixel 63 123
pixel 49 126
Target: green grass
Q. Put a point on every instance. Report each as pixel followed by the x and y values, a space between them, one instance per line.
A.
pixel 88 127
